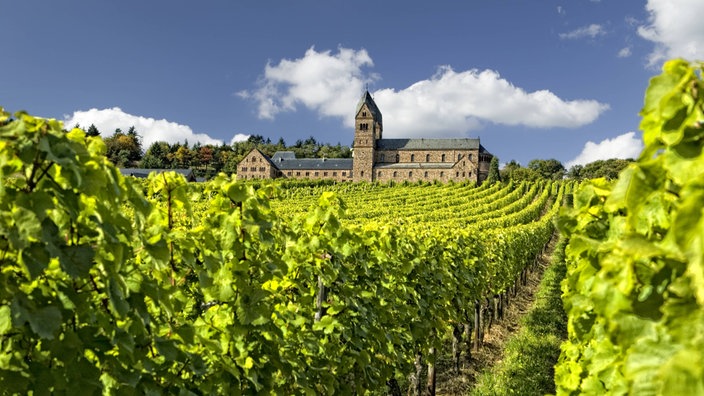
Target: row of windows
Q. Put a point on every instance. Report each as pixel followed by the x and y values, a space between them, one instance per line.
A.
pixel 254 159
pixel 253 169
pixel 425 174
pixel 382 157
pixel 316 174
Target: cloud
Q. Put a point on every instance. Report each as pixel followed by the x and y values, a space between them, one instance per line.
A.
pixel 591 31
pixel 150 129
pixel 447 104
pixel 624 52
pixel 623 146
pixel 240 137
pixel 676 28
pixel 322 81
pixel 453 103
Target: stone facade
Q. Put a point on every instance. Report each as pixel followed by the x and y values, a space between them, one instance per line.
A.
pixel 257 165
pixel 378 159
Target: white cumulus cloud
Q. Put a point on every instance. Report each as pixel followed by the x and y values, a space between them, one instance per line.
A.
pixel 323 81
pixel 453 103
pixel 151 130
pixel 676 28
pixel 240 137
pixel 592 31
pixel 449 103
pixel 623 146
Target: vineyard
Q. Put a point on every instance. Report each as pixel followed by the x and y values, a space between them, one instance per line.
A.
pixel 115 285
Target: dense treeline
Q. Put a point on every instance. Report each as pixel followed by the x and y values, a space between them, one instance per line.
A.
pixel 125 150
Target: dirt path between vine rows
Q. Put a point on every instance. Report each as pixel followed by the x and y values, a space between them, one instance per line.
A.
pixel 491 352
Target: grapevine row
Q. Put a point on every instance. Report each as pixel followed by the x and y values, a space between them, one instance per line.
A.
pixel 634 291
pixel 111 286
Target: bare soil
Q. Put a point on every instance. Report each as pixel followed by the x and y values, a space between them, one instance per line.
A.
pixel 491 351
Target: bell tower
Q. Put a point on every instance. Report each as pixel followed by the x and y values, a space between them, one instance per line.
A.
pixel 367 130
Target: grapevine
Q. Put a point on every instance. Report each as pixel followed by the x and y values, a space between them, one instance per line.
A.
pixel 634 291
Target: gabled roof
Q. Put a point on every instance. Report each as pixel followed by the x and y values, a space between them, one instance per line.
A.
pixel 140 172
pixel 283 155
pixel 286 160
pixel 369 101
pixel 428 144
pixel 266 157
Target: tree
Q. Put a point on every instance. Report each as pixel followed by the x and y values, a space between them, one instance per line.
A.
pixel 181 158
pixel 551 169
pixel 136 152
pixel 92 131
pixel 494 174
pixel 608 169
pixel 514 171
pixel 156 156
pixel 205 157
pixel 575 172
pixel 124 150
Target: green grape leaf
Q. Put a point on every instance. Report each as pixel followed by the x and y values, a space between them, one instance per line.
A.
pixel 5 319
pixel 44 321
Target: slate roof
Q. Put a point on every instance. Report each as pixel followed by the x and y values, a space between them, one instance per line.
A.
pixel 283 155
pixel 144 173
pixel 286 160
pixel 367 98
pixel 429 144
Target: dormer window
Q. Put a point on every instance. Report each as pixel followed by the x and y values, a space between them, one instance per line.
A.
pixel 364 114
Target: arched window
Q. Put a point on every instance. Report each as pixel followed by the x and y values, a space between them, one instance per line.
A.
pixel 410 174
pixel 459 157
pixel 470 157
pixel 394 173
pixel 398 158
pixel 442 158
pixel 362 174
pixel 413 157
pixel 425 174
pixel 427 158
pixel 442 173
pixel 378 174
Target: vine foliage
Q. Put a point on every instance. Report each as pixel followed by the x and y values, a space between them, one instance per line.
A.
pixel 634 291
pixel 113 286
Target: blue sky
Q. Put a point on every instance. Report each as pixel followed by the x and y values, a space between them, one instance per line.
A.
pixel 542 79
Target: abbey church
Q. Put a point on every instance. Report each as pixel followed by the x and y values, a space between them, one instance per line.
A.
pixel 378 159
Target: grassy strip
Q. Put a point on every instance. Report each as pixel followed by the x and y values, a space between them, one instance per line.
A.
pixel 530 356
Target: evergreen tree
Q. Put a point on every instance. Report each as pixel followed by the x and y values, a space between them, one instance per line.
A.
pixel 494 174
pixel 156 156
pixel 92 131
